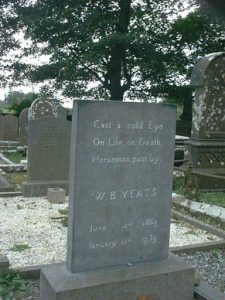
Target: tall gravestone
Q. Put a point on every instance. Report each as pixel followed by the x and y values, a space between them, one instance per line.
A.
pixel 23 127
pixel 8 128
pixel 121 167
pixel 207 143
pixel 48 149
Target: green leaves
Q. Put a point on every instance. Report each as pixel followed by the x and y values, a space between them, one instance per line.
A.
pixel 124 47
pixel 11 285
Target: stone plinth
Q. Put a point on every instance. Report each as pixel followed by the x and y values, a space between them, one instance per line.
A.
pixel 4 265
pixel 56 195
pixel 165 279
pixel 206 153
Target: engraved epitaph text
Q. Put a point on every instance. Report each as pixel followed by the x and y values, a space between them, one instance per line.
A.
pixel 120 183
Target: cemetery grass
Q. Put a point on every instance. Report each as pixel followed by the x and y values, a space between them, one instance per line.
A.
pixel 178 185
pixel 213 198
pixel 217 199
pixel 12 286
pixel 15 157
pixel 17 178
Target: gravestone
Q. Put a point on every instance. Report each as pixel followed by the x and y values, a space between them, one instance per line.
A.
pixel 8 128
pixel 23 127
pixel 121 169
pixel 46 107
pixel 207 144
pixel 48 151
pixel 5 186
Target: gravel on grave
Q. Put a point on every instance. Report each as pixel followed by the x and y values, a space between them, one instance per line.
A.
pixel 32 226
pixel 209 266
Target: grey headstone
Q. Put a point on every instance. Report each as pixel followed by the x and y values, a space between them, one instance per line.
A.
pixel 48 146
pixel 48 155
pixel 208 76
pixel 5 186
pixel 23 127
pixel 8 128
pixel 120 183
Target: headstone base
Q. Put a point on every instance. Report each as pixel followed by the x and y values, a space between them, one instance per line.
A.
pixel 207 183
pixel 207 156
pixel 206 153
pixel 163 279
pixel 4 265
pixel 40 188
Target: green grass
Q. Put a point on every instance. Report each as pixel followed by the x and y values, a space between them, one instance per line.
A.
pixel 19 247
pixel 214 198
pixel 64 213
pixel 14 156
pixel 17 177
pixel 12 286
pixel 217 199
pixel 178 185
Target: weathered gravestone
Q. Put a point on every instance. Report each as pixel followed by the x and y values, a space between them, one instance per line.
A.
pixel 48 152
pixel 120 200
pixel 8 128
pixel 207 143
pixel 23 127
pixel 46 107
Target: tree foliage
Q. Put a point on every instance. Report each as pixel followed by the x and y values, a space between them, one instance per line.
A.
pixel 18 101
pixel 113 49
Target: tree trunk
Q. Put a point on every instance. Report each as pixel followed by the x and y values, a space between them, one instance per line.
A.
pixel 187 107
pixel 118 53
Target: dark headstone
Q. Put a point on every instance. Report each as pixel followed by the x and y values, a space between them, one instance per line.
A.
pixel 8 128
pixel 23 127
pixel 121 170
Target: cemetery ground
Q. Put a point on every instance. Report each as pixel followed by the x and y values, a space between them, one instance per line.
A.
pixel 33 233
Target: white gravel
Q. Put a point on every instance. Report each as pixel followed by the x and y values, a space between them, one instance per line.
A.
pixel 33 222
